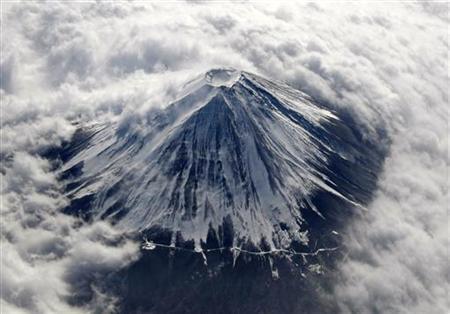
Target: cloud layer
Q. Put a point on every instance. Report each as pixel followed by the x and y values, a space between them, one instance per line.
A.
pixel 387 63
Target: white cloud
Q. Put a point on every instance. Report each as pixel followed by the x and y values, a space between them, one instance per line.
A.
pixel 386 62
pixel 44 252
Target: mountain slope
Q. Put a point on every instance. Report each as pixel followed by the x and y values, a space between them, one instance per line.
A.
pixel 235 151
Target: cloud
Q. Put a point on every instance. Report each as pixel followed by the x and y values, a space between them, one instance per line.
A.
pixel 44 253
pixel 386 63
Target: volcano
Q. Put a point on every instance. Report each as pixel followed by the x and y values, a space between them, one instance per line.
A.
pixel 235 152
pixel 239 190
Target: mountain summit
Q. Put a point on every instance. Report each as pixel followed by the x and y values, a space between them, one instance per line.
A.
pixel 236 152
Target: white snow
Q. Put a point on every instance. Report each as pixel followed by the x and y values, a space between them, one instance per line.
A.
pixel 222 77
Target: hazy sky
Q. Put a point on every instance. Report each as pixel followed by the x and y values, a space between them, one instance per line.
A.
pixel 387 62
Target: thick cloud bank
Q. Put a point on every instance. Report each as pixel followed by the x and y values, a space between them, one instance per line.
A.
pixel 386 62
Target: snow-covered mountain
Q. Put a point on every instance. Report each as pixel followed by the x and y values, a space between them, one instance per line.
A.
pixel 234 150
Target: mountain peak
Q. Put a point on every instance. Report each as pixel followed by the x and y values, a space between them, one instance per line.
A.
pixel 222 77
